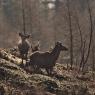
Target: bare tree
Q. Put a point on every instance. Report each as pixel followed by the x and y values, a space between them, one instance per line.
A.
pixel 23 18
pixel 82 42
pixel 93 59
pixel 91 34
pixel 71 34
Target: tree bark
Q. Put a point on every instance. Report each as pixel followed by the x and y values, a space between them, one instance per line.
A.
pixel 91 35
pixel 71 34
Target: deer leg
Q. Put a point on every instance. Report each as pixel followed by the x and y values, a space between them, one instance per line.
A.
pixel 25 56
pixel 34 67
pixel 22 65
pixel 48 71
pixel 51 69
pixel 22 58
pixel 38 69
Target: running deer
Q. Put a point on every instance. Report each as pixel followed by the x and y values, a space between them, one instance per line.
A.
pixel 46 60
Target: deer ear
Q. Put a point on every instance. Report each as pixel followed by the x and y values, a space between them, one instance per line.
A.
pixel 57 42
pixel 28 36
pixel 20 34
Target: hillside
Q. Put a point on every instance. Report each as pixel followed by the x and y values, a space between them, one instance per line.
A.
pixel 68 24
pixel 16 81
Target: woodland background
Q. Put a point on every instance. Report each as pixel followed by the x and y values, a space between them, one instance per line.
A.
pixel 49 21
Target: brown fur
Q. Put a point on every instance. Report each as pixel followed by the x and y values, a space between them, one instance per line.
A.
pixel 35 48
pixel 23 46
pixel 46 60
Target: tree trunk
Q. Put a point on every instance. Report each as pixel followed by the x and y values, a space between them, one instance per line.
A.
pixel 23 18
pixel 91 35
pixel 71 35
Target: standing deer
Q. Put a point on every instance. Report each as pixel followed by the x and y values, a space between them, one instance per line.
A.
pixel 46 60
pixel 23 46
pixel 36 47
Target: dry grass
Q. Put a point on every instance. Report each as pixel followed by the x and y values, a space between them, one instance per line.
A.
pixel 17 81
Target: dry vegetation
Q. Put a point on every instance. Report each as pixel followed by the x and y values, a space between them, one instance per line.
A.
pixel 16 81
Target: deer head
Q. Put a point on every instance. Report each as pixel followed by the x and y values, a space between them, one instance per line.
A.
pixel 60 46
pixel 24 36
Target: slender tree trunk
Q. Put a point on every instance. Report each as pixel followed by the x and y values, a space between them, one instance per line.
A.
pixel 30 17
pixel 93 60
pixel 71 35
pixel 23 18
pixel 82 47
pixel 80 31
pixel 82 56
pixel 91 35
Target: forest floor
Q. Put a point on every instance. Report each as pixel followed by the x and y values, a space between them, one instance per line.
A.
pixel 17 81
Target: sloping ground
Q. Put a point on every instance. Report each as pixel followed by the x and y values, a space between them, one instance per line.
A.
pixel 16 81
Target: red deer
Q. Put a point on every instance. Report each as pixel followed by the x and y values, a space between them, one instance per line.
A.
pixel 36 47
pixel 23 46
pixel 46 60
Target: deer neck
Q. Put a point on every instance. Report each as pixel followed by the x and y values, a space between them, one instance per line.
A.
pixel 55 54
pixel 23 40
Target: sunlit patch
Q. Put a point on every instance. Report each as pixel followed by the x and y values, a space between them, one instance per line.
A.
pixel 51 5
pixel 19 40
pixel 18 61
